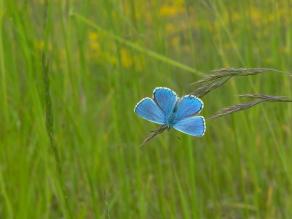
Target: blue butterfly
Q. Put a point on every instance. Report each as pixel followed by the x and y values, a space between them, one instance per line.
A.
pixel 165 108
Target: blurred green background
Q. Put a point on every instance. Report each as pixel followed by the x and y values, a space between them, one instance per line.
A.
pixel 71 74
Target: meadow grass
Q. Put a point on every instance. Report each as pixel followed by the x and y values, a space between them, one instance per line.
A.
pixel 71 74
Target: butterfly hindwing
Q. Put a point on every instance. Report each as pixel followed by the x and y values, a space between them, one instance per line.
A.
pixel 148 109
pixel 165 99
pixel 194 126
pixel 188 106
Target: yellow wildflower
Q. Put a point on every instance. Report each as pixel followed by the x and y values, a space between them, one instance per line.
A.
pixel 169 11
pixel 94 44
pixel 256 16
pixel 92 36
pixel 126 59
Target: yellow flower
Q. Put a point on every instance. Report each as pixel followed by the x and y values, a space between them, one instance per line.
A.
pixel 126 59
pixel 169 11
pixel 94 44
pixel 92 36
pixel 256 16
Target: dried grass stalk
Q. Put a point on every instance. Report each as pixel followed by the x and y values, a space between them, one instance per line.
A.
pixel 259 98
pixel 267 97
pixel 205 87
pixel 154 133
pixel 219 77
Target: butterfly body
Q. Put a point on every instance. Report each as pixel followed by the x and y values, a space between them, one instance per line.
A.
pixel 170 121
pixel 165 108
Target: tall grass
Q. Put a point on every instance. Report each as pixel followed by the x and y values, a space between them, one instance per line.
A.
pixel 81 98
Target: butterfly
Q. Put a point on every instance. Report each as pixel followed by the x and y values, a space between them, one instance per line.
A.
pixel 167 109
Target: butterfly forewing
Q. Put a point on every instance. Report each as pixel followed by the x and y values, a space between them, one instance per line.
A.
pixel 188 106
pixel 165 99
pixel 148 109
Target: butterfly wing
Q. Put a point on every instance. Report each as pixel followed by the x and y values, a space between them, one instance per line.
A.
pixel 194 126
pixel 188 106
pixel 165 99
pixel 148 109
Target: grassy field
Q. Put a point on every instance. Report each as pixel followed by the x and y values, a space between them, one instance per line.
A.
pixel 71 73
